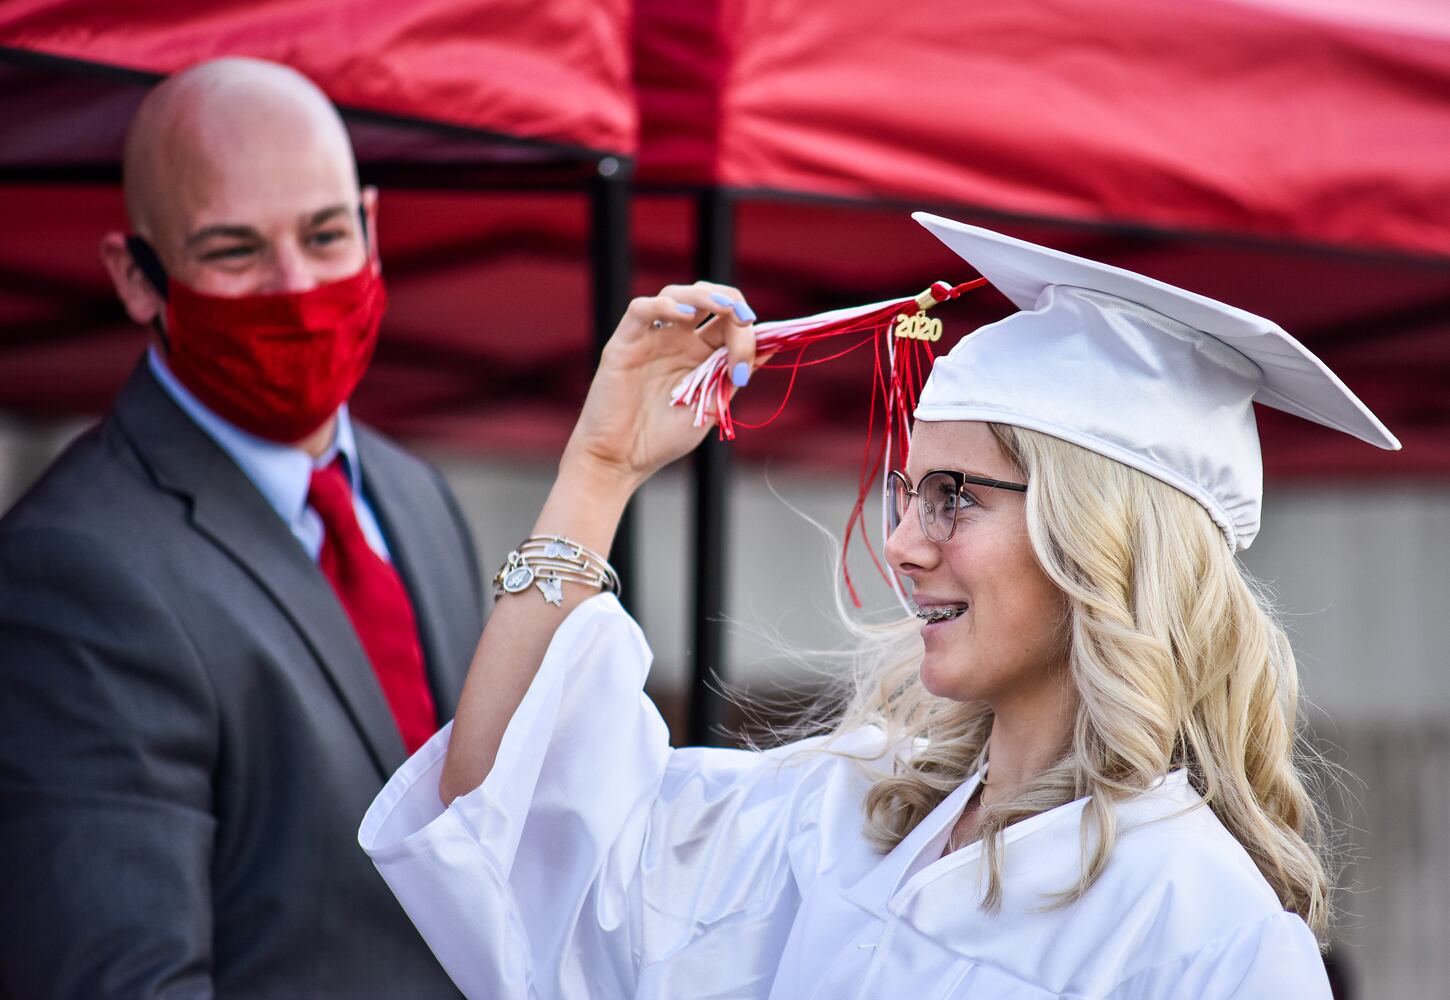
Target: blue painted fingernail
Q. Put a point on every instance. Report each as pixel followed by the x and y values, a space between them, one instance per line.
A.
pixel 722 300
pixel 744 313
pixel 686 308
pixel 740 374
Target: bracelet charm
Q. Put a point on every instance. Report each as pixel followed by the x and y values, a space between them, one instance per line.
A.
pixel 559 548
pixel 552 590
pixel 516 574
pixel 548 562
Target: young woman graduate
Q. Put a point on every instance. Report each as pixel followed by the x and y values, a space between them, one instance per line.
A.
pixel 1072 774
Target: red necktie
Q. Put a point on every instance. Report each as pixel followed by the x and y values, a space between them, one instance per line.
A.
pixel 372 594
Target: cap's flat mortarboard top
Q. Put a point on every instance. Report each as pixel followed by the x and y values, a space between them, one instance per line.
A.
pixel 1153 376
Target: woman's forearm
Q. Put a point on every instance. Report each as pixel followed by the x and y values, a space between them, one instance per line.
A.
pixel 585 506
pixel 626 431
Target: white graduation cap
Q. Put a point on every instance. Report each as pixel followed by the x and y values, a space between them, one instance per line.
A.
pixel 1153 376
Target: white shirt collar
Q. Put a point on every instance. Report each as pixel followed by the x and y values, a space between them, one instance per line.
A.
pixel 282 473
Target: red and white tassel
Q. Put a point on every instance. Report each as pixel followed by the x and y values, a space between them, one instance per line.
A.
pixel 899 372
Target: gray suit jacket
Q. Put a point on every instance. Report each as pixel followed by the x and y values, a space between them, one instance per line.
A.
pixel 190 730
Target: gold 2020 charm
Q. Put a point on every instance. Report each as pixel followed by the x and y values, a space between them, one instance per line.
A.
pixel 918 326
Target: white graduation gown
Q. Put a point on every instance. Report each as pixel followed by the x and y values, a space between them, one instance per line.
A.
pixel 595 861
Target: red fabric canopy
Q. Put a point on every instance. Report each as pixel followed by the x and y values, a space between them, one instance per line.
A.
pixel 1322 122
pixel 1285 167
pixel 556 71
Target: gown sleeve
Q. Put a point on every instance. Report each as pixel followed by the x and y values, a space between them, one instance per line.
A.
pixel 1272 959
pixel 594 860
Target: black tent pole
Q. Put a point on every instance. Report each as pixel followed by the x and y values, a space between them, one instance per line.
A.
pixel 714 261
pixel 611 265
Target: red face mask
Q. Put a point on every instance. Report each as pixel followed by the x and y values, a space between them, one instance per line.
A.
pixel 275 365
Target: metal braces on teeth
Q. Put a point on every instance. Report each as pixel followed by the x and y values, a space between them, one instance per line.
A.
pixel 941 614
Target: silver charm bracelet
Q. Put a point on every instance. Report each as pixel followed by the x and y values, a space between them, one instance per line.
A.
pixel 547 562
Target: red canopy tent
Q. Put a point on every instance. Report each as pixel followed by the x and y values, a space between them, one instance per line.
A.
pixel 1280 154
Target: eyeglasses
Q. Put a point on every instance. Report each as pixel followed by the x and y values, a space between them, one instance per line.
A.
pixel 942 493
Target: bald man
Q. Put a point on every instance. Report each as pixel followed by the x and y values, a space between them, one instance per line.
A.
pixel 228 612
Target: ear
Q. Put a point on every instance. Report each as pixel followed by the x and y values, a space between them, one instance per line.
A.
pixel 142 303
pixel 370 213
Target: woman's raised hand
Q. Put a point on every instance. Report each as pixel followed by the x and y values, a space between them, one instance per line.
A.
pixel 628 429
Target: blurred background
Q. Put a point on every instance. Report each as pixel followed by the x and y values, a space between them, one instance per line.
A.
pixel 542 161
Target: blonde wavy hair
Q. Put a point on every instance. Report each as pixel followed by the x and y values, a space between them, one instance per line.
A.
pixel 1177 661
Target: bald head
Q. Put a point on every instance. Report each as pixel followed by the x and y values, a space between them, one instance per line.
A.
pixel 241 175
pixel 224 124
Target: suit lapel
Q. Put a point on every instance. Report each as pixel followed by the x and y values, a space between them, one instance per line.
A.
pixel 411 545
pixel 229 511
